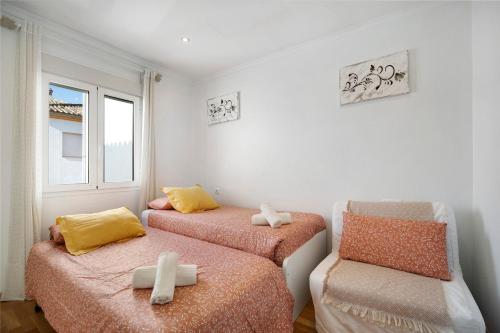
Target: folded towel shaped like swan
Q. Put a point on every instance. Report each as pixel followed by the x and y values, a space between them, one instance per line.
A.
pixel 260 219
pixel 164 287
pixel 271 215
pixel 144 277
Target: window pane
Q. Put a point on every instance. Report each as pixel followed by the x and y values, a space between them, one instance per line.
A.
pixel 67 132
pixel 118 140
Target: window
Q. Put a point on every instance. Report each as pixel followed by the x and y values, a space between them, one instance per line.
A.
pixel 119 137
pixel 67 132
pixel 91 136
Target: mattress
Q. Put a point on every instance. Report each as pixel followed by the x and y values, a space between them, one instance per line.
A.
pixel 231 227
pixel 463 311
pixel 236 291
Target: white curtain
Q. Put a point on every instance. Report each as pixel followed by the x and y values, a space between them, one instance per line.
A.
pixel 148 183
pixel 24 223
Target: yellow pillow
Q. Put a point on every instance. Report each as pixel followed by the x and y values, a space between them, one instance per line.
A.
pixel 190 199
pixel 86 232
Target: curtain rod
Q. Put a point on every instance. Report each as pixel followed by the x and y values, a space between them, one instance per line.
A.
pixel 9 23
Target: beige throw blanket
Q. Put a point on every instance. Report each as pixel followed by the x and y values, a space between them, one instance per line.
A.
pixel 387 297
pixel 416 211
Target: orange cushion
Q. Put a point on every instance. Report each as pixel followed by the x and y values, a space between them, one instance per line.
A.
pixel 160 204
pixel 413 246
pixel 56 235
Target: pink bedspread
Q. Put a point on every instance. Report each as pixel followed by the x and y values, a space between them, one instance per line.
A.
pixel 236 291
pixel 231 227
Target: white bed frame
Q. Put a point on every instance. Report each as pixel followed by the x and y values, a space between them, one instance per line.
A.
pixel 297 267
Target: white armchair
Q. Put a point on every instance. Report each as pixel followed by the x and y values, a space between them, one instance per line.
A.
pixel 463 310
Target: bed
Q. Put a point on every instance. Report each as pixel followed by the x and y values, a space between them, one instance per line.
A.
pixel 236 291
pixel 462 309
pixel 297 247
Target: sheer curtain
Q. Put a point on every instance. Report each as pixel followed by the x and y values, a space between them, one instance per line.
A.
pixel 23 227
pixel 148 183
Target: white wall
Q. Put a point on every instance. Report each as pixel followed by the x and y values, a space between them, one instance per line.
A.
pixel 297 149
pixel 176 153
pixel 486 112
pixel 130 83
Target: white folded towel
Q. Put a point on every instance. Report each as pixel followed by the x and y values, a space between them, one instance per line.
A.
pixel 260 219
pixel 271 215
pixel 144 277
pixel 164 287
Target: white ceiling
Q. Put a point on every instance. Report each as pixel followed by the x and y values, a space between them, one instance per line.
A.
pixel 224 33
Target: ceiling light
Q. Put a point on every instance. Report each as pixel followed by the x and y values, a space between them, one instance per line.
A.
pixel 185 40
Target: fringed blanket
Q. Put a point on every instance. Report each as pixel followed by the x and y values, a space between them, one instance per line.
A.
pixel 405 210
pixel 387 297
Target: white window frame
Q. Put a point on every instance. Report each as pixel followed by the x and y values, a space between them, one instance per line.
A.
pixel 95 150
pixel 102 92
pixel 91 135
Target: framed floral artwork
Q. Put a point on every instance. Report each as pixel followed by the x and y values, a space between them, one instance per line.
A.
pixel 223 108
pixel 385 76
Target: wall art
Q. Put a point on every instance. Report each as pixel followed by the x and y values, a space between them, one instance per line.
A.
pixel 223 108
pixel 385 76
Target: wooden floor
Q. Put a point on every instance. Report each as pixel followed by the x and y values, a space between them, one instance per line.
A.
pixel 20 317
pixel 306 322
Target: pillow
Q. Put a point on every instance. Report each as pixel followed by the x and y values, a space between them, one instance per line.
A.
pixel 55 234
pixel 190 199
pixel 413 246
pixel 160 204
pixel 86 232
